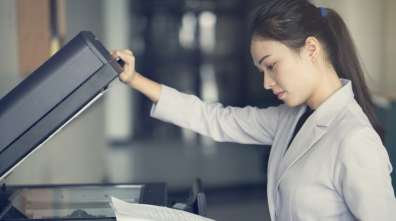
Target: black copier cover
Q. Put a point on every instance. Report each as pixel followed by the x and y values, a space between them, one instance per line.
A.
pixel 49 98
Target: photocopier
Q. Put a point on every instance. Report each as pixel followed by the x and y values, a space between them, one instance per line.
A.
pixel 37 108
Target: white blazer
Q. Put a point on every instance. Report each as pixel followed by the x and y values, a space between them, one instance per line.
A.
pixel 336 167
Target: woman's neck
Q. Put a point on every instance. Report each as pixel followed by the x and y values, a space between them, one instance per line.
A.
pixel 328 84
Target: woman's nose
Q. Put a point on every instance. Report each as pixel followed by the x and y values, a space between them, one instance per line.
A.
pixel 268 82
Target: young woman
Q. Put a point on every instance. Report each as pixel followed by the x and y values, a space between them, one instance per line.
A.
pixel 327 160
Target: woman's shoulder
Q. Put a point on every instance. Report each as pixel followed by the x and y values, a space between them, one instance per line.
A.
pixel 352 118
pixel 358 139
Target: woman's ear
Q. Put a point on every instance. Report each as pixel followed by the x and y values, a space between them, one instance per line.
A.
pixel 312 48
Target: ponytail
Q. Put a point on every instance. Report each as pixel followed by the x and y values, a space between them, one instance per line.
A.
pixel 342 53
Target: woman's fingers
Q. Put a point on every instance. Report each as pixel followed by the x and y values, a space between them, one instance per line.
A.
pixel 127 51
pixel 118 52
pixel 129 68
pixel 124 55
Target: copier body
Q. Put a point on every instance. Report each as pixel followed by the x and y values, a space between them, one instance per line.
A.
pixel 49 98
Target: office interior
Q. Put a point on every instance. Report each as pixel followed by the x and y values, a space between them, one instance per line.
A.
pixel 196 46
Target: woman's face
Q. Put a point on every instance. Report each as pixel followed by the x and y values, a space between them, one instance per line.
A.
pixel 289 74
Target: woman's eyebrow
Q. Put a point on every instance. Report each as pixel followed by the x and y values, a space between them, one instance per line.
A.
pixel 263 58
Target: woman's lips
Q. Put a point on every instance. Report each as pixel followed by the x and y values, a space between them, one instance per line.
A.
pixel 281 95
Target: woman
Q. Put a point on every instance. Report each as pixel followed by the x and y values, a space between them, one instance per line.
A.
pixel 327 160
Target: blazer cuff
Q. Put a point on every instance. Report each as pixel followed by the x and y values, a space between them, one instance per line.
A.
pixel 165 105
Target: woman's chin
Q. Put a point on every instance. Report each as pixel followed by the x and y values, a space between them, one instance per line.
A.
pixel 292 103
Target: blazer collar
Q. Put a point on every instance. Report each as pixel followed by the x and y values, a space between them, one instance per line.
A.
pixel 327 111
pixel 314 127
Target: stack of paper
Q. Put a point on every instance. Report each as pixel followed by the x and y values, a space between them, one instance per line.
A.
pixel 125 211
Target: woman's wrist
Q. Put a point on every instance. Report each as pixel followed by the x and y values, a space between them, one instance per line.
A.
pixel 146 86
pixel 132 81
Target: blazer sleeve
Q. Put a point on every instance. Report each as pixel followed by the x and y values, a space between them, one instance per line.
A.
pixel 363 176
pixel 249 125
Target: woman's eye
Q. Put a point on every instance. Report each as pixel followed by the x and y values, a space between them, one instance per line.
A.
pixel 271 67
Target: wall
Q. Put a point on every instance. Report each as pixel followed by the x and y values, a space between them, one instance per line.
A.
pixel 389 80
pixel 8 53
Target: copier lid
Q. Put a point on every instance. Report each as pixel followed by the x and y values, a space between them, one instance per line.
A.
pixel 52 96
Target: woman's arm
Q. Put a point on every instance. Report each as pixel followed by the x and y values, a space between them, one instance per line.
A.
pixel 249 125
pixel 146 86
pixel 241 125
pixel 135 80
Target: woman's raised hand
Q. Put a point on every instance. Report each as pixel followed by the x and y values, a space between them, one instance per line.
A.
pixel 135 80
pixel 129 73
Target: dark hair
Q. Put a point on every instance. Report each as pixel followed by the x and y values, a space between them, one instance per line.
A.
pixel 293 21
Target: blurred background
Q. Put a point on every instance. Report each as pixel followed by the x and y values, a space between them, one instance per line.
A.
pixel 196 46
